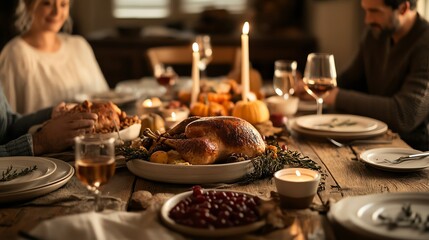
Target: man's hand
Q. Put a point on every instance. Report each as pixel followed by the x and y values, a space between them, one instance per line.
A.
pixel 331 97
pixel 61 109
pixel 58 133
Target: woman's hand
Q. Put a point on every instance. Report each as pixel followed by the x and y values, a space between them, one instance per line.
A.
pixel 59 132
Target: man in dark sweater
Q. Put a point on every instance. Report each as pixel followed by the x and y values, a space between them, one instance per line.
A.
pixel 389 78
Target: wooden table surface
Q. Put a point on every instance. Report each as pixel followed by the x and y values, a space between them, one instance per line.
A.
pixel 346 176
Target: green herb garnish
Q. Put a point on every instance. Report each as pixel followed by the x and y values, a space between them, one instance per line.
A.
pixel 406 218
pixel 132 152
pixel 11 173
pixel 276 158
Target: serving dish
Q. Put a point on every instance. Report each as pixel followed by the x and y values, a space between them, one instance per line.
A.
pixel 126 134
pixel 190 174
pixel 204 232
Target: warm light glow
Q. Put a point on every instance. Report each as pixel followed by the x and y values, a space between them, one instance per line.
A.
pixel 195 47
pixel 246 28
pixel 173 116
pixel 298 173
pixel 252 96
pixel 147 103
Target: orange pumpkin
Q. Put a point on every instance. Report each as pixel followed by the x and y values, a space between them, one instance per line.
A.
pixel 214 97
pixel 209 109
pixel 252 111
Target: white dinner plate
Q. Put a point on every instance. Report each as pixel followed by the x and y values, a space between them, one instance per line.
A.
pixel 61 176
pixel 127 134
pixel 361 214
pixel 118 98
pixel 375 157
pixel 190 174
pixel 343 123
pixel 44 168
pixel 380 129
pixel 203 232
pixel 148 87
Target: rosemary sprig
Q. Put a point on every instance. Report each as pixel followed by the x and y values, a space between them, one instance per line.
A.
pixel 406 218
pixel 276 158
pixel 130 152
pixel 11 173
pixel 334 123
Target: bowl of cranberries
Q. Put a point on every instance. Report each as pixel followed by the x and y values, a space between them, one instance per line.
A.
pixel 212 213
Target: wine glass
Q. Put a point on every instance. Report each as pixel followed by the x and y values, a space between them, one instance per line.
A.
pixel 206 53
pixel 320 77
pixel 95 163
pixel 167 78
pixel 284 80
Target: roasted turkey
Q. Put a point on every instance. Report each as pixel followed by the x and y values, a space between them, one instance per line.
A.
pixel 210 140
pixel 108 113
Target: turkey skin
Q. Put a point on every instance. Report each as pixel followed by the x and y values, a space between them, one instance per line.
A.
pixel 209 140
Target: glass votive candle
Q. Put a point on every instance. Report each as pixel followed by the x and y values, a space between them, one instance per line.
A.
pixel 171 121
pixel 296 186
pixel 150 105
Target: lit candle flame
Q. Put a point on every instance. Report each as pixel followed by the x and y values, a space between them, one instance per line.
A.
pixel 246 28
pixel 148 103
pixel 195 47
pixel 298 173
pixel 173 116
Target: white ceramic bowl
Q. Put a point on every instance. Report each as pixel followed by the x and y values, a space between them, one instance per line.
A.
pixel 278 105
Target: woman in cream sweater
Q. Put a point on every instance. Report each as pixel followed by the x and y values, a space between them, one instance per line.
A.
pixel 43 67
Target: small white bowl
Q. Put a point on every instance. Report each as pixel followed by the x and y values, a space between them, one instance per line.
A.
pixel 279 105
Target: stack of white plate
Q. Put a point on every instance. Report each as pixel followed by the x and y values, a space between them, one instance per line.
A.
pixel 338 126
pixel 361 215
pixel 49 175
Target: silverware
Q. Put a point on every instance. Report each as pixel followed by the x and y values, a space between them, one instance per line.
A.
pixel 356 142
pixel 408 158
pixel 120 141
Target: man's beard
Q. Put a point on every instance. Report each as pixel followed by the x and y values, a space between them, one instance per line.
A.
pixel 378 31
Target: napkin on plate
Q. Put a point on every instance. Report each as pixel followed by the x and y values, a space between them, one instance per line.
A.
pixel 105 225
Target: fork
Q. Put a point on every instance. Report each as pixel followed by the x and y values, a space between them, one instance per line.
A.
pixel 407 158
pixel 120 140
pixel 354 142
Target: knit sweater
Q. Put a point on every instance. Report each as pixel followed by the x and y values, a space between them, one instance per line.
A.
pixel 390 82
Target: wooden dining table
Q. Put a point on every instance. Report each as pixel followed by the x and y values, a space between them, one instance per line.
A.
pixel 345 176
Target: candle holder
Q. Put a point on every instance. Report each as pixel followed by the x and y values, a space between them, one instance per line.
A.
pixel 150 105
pixel 296 187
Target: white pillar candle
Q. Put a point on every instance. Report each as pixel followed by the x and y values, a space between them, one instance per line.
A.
pixel 245 61
pixel 195 73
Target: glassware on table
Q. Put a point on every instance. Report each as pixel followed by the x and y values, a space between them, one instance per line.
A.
pixel 320 77
pixel 284 80
pixel 166 77
pixel 206 53
pixel 95 163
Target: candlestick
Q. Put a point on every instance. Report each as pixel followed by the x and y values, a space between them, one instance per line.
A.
pixel 245 61
pixel 195 73
pixel 296 186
